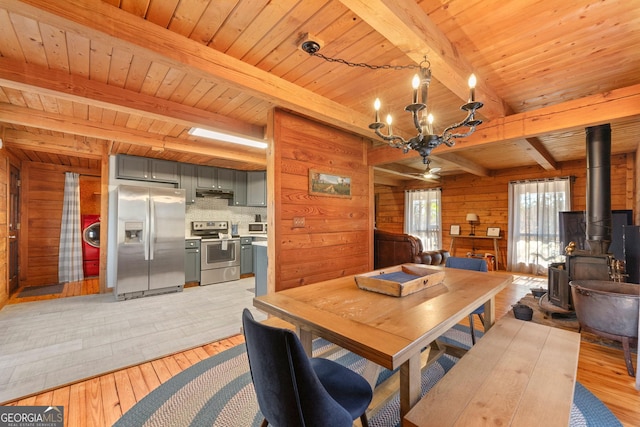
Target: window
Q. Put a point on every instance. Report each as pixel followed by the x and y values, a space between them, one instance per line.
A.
pixel 422 217
pixel 534 240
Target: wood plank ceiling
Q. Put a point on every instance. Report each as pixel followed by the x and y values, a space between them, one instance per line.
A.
pixel 79 78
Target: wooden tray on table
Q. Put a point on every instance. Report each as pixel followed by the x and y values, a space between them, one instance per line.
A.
pixel 400 280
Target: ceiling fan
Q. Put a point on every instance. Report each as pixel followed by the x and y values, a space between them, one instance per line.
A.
pixel 429 172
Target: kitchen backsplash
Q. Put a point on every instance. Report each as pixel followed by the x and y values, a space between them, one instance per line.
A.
pixel 211 208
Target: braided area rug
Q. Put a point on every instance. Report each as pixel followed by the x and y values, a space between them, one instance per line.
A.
pixel 219 392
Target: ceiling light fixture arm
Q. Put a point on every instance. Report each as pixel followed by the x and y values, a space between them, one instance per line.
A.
pixel 395 141
pixel 470 121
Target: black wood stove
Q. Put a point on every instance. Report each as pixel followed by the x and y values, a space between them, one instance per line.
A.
pixel 594 262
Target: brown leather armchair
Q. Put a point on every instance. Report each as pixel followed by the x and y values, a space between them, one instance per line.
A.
pixel 393 249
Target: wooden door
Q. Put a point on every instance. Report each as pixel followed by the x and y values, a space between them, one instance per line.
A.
pixel 14 227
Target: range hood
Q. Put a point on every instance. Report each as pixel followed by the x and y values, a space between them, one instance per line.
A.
pixel 208 192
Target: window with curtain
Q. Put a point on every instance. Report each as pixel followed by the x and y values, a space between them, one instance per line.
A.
pixel 422 217
pixel 534 240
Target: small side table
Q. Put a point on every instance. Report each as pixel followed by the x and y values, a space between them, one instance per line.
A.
pixel 496 248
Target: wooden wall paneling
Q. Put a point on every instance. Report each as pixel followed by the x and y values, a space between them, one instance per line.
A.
pixel 41 205
pixel 24 222
pixel 372 220
pixel 46 194
pixel 90 193
pixel 335 238
pixel 637 188
pixel 389 209
pixel 4 226
pixel 488 197
pixel 274 200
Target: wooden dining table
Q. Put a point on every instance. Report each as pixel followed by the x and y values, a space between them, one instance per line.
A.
pixel 388 331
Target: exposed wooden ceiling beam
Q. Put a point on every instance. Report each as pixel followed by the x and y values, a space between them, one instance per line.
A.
pixel 98 20
pixel 33 78
pixel 465 164
pixel 43 143
pixel 408 27
pixel 623 103
pixel 537 151
pixel 72 125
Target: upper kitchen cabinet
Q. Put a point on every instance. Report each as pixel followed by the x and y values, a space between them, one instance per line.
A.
pixel 239 189
pixel 226 179
pixel 210 177
pixel 257 188
pixel 248 188
pixel 188 182
pixel 164 170
pixel 145 169
pixel 206 177
pixel 133 167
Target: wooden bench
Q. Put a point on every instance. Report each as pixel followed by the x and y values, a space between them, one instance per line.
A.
pixel 520 373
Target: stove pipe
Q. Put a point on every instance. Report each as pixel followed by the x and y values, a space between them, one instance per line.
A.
pixel 599 223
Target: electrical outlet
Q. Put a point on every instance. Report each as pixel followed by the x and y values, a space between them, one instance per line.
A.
pixel 298 221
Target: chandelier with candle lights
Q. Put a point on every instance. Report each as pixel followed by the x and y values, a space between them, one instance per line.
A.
pixel 425 140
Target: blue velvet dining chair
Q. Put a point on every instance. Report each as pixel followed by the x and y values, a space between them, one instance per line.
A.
pixel 476 264
pixel 294 390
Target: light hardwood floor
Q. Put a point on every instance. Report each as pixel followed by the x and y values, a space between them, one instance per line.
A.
pixel 101 400
pixel 88 286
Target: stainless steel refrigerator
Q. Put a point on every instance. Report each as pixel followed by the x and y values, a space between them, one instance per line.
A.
pixel 150 241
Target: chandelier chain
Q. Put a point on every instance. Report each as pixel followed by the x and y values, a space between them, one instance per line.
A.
pixel 363 65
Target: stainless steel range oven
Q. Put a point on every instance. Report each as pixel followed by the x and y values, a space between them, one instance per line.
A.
pixel 219 256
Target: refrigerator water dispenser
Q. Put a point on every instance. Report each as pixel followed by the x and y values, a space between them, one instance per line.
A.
pixel 132 232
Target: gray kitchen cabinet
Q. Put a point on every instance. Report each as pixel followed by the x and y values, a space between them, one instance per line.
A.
pixel 145 169
pixel 192 261
pixel 206 177
pixel 246 255
pixel 257 188
pixel 164 170
pixel 192 177
pixel 225 179
pixel 214 178
pixel 260 265
pixel 239 189
pixel 188 182
pixel 132 167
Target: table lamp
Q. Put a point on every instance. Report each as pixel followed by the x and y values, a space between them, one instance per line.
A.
pixel 472 219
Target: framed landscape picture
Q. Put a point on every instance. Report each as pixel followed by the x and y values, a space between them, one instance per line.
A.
pixel 327 184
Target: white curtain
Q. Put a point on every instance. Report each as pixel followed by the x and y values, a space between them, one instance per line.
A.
pixel 534 240
pixel 422 217
pixel 70 250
